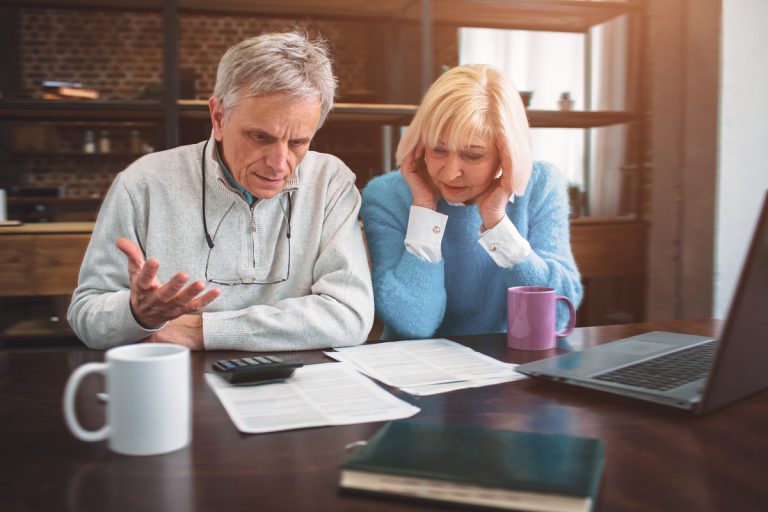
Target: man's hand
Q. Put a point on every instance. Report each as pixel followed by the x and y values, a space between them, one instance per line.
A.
pixel 414 170
pixel 186 330
pixel 153 303
pixel 492 204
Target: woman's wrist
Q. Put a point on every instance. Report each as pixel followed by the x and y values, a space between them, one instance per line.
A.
pixel 491 222
pixel 430 205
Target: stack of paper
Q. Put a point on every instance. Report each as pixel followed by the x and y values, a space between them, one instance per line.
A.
pixel 426 367
pixel 316 395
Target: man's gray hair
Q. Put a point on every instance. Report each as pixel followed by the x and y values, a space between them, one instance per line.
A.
pixel 287 62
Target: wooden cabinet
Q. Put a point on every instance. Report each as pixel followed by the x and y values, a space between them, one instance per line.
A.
pixel 42 259
pixel 39 266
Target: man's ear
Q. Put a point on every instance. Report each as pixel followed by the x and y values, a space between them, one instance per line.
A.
pixel 216 108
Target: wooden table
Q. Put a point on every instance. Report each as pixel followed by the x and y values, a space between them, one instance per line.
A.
pixel 656 459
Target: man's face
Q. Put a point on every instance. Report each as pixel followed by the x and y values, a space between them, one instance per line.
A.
pixel 263 139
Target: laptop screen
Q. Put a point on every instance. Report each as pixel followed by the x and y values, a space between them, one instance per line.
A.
pixel 740 363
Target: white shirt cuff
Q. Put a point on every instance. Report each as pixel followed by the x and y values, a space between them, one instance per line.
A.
pixel 425 233
pixel 504 244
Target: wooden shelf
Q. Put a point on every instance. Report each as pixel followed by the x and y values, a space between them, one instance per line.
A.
pixel 381 113
pixel 42 110
pixel 547 15
pixel 592 221
pixel 60 201
pixel 80 154
pixel 121 5
pixel 401 114
pixel 397 114
pixel 49 228
pixel 578 118
pixel 543 15
pixel 550 15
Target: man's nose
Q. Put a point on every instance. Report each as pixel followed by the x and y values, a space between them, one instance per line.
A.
pixel 277 158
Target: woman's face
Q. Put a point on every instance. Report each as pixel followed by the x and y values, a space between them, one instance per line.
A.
pixel 461 176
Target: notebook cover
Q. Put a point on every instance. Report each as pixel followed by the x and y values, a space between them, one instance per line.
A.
pixel 523 461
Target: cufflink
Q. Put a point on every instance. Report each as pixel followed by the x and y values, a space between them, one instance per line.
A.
pixel 436 229
pixel 492 247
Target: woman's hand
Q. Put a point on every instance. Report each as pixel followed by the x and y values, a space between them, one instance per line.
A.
pixel 492 204
pixel 414 170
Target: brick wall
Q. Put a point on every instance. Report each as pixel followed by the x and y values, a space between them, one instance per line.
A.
pixel 204 40
pixel 117 53
pixel 120 54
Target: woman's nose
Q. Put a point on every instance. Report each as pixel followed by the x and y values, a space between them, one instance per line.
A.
pixel 452 169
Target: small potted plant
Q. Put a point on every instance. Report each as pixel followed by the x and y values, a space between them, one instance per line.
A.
pixel 565 102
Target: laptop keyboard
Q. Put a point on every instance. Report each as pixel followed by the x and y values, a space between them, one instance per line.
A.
pixel 668 371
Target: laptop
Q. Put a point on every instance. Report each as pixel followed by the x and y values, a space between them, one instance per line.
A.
pixel 696 373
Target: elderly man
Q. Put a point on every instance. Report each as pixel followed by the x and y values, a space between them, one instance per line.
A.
pixel 269 227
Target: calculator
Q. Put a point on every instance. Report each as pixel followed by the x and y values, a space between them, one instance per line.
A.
pixel 256 369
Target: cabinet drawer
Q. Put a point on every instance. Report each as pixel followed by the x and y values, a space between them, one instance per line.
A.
pixel 16 265
pixel 57 263
pixel 40 264
pixel 609 250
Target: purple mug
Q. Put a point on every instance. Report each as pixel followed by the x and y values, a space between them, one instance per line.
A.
pixel 531 317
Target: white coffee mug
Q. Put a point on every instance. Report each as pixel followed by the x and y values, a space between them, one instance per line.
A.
pixel 148 399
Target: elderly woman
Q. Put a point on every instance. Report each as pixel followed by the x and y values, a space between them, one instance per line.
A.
pixel 468 214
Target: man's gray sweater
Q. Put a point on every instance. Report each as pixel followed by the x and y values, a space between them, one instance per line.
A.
pixel 325 301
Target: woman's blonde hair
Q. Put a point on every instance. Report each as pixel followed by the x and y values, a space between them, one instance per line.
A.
pixel 469 101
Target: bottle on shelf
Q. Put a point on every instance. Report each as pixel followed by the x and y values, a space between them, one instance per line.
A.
pixel 135 142
pixel 105 145
pixel 89 143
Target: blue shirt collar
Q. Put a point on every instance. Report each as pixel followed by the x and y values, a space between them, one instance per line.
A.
pixel 231 179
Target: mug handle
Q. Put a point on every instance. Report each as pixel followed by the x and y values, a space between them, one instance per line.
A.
pixel 69 403
pixel 571 317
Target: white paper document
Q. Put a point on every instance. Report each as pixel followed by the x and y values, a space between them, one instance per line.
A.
pixel 316 395
pixel 427 367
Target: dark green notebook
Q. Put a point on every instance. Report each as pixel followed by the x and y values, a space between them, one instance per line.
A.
pixel 493 468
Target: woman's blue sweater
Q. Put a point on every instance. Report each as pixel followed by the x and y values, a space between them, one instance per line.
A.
pixel 465 293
